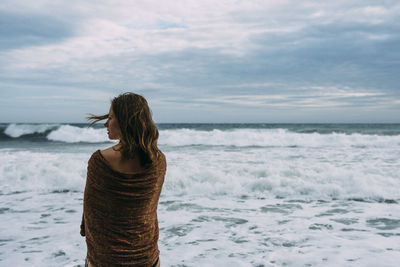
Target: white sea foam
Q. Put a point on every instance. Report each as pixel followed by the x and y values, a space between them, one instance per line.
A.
pixel 17 130
pixel 287 172
pixel 33 171
pixel 73 134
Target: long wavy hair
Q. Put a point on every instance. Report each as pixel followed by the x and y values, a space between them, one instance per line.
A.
pixel 139 134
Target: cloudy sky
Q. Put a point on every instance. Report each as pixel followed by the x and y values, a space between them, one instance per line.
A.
pixel 202 61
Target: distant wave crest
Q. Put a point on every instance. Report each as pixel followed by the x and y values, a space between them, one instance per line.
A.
pixel 73 134
pixel 278 137
pixel 55 132
pixel 273 138
pixel 17 130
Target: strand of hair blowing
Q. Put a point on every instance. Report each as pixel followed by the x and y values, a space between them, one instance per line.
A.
pixel 139 134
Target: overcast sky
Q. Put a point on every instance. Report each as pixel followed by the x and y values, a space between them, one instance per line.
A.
pixel 202 61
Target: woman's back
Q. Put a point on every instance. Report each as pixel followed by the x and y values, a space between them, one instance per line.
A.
pixel 120 213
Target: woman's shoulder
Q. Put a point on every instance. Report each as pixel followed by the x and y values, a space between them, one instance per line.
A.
pixel 100 155
pixel 161 160
pixel 114 159
pixel 108 153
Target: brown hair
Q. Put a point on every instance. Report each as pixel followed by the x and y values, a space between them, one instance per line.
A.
pixel 139 134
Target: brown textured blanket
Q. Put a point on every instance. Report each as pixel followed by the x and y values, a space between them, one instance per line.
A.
pixel 120 214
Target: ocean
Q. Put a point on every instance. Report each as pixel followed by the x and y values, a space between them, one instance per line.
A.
pixel 234 194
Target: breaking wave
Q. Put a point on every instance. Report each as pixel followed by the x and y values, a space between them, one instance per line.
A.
pixel 245 137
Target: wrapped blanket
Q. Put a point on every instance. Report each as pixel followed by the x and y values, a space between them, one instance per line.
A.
pixel 120 214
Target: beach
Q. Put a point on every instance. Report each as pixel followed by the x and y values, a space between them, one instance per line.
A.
pixel 234 194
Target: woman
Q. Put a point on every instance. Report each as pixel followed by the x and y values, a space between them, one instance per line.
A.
pixel 123 187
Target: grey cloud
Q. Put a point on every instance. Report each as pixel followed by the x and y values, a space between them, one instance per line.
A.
pixel 20 30
pixel 331 54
